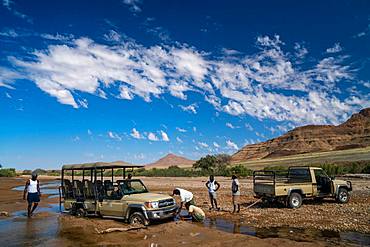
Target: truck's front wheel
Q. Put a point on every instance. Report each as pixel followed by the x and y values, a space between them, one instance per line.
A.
pixel 295 200
pixel 343 195
pixel 137 218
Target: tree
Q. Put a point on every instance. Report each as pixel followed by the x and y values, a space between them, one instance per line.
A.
pixel 207 163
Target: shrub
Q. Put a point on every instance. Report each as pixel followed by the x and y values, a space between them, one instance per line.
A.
pixel 7 172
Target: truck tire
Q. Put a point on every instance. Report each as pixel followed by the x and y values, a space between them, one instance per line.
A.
pixel 295 200
pixel 343 195
pixel 80 213
pixel 137 218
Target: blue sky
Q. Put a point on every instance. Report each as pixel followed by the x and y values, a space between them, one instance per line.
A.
pixel 135 79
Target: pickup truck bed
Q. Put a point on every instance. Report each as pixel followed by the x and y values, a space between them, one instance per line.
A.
pixel 275 184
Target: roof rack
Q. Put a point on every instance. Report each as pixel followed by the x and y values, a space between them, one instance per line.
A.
pixel 100 165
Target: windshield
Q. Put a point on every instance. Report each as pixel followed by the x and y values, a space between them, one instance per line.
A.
pixel 133 187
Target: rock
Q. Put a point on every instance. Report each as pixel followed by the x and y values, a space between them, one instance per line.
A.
pixel 4 213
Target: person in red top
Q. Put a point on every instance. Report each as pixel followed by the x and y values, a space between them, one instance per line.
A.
pixel 32 189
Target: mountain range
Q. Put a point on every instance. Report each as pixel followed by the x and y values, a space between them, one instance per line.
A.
pixel 354 133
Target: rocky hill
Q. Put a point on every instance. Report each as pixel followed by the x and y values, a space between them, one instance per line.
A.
pixel 353 133
pixel 171 160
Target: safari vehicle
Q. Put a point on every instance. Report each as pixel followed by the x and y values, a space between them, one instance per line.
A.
pixel 92 194
pixel 299 183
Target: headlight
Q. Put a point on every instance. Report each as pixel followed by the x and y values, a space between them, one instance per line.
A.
pixel 152 204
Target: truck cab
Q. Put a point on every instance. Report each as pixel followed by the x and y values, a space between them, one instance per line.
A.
pixel 299 183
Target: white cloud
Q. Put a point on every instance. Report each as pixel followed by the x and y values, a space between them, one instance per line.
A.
pixel 58 37
pixel 180 129
pixel 248 126
pixel 136 134
pixel 164 136
pixel 8 95
pixel 112 36
pixel 190 108
pixel 152 137
pixel 216 145
pixel 114 136
pixel 8 4
pixel 231 145
pixel 179 140
pixel 134 5
pixel 336 48
pixel 231 126
pixel 268 84
pixel 89 132
pixel 203 144
pixel 300 50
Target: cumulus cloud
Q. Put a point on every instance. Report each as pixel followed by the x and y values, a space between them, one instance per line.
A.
pixel 190 108
pixel 180 129
pixel 231 145
pixel 268 84
pixel 231 126
pixel 203 144
pixel 136 134
pixel 114 136
pixel 336 48
pixel 216 145
pixel 164 136
pixel 134 5
pixel 152 137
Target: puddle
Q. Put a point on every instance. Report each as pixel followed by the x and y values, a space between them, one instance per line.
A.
pixel 22 231
pixel 297 234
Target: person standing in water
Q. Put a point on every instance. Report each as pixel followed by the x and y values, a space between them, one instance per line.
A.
pixel 213 186
pixel 32 189
pixel 235 189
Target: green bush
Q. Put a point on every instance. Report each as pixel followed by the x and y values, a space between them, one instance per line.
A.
pixel 7 172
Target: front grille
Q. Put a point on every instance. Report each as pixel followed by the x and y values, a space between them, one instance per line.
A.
pixel 166 203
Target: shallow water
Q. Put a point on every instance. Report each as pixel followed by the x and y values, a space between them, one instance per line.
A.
pixel 46 189
pixel 19 230
pixel 297 234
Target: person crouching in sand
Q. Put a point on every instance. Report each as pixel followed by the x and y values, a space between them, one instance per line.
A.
pixel 32 189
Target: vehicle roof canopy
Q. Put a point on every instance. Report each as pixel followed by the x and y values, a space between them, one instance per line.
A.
pixel 100 165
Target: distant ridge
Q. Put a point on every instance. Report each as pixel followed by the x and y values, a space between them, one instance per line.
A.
pixel 171 160
pixel 354 133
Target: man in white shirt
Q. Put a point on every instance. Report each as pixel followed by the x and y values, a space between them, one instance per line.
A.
pixel 212 186
pixel 32 190
pixel 186 198
pixel 235 189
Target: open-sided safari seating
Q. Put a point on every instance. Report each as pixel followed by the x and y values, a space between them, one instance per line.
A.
pixel 92 194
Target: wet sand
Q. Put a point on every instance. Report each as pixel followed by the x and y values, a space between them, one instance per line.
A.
pixel 49 228
pixel 11 200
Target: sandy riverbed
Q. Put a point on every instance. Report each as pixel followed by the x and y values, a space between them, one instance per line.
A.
pixel 274 225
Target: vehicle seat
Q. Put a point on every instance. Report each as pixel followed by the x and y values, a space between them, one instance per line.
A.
pixel 67 189
pixel 79 188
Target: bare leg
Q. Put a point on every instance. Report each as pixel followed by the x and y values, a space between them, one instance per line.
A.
pixel 34 207
pixel 211 198
pixel 216 204
pixel 29 209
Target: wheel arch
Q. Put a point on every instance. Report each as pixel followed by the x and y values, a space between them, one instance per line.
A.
pixel 132 208
pixel 296 190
